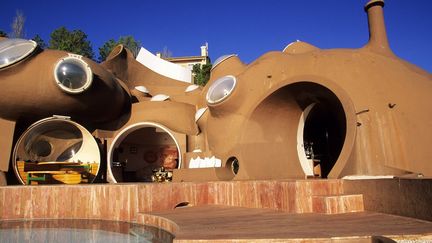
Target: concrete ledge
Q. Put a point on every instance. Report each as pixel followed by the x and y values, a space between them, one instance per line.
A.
pixel 400 196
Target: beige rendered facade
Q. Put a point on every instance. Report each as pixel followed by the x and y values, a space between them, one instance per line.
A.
pixel 302 112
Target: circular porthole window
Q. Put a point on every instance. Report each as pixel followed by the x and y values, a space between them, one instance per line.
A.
pixel 15 50
pixel 41 148
pixel 73 75
pixel 233 163
pixel 221 89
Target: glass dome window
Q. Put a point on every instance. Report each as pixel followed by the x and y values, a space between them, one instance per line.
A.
pixel 221 89
pixel 219 60
pixel 15 50
pixel 73 75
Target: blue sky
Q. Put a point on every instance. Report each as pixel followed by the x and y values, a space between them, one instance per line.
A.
pixel 247 28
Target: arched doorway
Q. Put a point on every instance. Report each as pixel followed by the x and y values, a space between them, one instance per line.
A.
pixel 323 136
pixel 299 130
pixel 140 149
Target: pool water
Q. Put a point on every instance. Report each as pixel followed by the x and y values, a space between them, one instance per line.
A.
pixel 80 230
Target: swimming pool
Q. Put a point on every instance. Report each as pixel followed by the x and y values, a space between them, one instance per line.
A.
pixel 80 230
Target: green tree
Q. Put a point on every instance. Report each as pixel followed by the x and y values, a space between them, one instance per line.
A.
pixel 201 73
pixel 39 41
pixel 132 44
pixel 128 41
pixel 72 41
pixel 3 34
pixel 105 49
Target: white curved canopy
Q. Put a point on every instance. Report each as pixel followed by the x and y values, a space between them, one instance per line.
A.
pixel 165 68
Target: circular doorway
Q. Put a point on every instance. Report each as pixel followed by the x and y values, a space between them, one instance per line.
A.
pixel 140 149
pixel 55 151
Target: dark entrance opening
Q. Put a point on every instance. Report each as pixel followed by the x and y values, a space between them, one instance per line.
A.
pixel 302 123
pixel 323 136
pixel 140 153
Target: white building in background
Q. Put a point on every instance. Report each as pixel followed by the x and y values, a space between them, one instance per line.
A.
pixel 189 61
pixel 178 68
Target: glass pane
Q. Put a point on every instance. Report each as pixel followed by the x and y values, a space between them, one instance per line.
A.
pixel 221 59
pixel 38 143
pixel 220 89
pixel 14 50
pixel 71 73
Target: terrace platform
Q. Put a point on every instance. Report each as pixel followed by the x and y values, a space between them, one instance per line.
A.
pixel 233 211
pixel 235 224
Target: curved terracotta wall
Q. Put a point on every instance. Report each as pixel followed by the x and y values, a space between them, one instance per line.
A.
pixel 382 97
pixel 29 91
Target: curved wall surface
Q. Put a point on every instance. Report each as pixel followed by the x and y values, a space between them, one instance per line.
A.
pixel 380 100
pixel 301 112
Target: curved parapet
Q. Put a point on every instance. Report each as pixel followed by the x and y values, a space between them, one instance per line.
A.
pixel 165 68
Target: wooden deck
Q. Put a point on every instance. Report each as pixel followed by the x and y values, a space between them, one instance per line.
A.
pixel 237 224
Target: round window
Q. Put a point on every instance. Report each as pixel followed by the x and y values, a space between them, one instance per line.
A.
pixel 221 89
pixel 41 148
pixel 14 50
pixel 73 75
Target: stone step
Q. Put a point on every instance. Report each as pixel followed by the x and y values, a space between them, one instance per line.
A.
pixel 337 204
pixel 319 187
